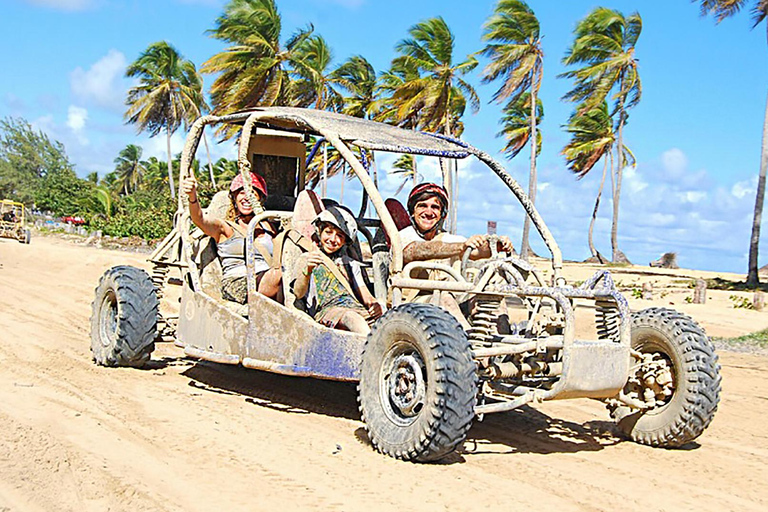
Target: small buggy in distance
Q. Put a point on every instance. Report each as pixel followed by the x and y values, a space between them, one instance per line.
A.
pixel 13 221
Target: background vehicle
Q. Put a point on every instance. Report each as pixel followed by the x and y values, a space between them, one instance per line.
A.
pixel 12 221
pixel 422 378
pixel 75 221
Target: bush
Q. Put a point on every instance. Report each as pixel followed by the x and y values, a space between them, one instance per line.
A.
pixel 145 213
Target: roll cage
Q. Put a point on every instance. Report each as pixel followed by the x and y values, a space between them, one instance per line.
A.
pixel 341 132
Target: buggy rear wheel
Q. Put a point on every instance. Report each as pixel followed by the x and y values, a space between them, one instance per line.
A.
pixel 417 383
pixel 678 371
pixel 124 318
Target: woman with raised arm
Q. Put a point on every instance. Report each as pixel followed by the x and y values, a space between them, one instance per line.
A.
pixel 229 235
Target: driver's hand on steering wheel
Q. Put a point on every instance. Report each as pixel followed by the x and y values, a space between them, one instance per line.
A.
pixel 505 245
pixel 476 242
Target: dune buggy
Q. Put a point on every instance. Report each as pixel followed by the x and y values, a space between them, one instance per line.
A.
pixel 12 221
pixel 422 378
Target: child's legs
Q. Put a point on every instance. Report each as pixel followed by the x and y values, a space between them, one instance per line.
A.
pixel 269 283
pixel 353 321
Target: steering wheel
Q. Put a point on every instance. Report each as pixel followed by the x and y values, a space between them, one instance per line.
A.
pixel 466 263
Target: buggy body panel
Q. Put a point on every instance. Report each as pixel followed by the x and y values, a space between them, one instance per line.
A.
pixel 283 339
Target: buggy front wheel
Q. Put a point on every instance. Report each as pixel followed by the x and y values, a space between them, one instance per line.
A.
pixel 417 383
pixel 124 318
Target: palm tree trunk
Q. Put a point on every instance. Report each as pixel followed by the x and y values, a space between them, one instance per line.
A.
pixel 448 185
pixel 592 248
pixel 524 248
pixel 752 276
pixel 343 179
pixel 617 256
pixel 448 174
pixel 210 164
pixel 170 164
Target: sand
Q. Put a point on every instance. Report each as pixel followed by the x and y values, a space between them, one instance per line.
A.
pixel 186 435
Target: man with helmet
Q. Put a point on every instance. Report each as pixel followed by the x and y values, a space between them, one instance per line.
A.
pixel 331 279
pixel 229 235
pixel 425 239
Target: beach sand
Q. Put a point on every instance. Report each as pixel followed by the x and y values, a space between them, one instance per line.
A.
pixel 186 435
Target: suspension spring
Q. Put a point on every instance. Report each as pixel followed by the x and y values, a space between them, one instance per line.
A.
pixel 608 321
pixel 483 319
pixel 159 274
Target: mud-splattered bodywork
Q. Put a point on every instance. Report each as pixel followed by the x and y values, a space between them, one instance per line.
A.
pixel 543 360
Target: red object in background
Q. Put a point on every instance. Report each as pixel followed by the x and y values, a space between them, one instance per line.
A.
pixel 77 221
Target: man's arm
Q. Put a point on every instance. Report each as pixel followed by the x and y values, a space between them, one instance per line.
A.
pixel 432 250
pixel 436 249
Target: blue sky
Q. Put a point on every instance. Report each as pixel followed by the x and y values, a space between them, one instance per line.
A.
pixel 696 132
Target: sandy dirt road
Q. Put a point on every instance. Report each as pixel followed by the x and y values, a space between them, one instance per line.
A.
pixel 184 435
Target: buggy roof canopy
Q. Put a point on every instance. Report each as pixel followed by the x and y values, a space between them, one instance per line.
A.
pixel 359 132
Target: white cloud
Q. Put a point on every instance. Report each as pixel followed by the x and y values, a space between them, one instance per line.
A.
pixel 76 118
pixel 44 124
pixel 157 146
pixel 693 196
pixel 102 83
pixel 675 162
pixel 64 5
pixel 742 189
pixel 632 181
pixel 13 102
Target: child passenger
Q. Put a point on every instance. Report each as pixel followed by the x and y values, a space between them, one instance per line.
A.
pixel 332 302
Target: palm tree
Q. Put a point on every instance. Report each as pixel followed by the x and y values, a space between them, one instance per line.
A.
pixel 405 166
pixel 169 94
pixel 604 47
pixel 255 69
pixel 517 125
pixel 155 176
pixel 357 77
pixel 226 170
pixel 592 138
pixel 517 58
pixel 130 168
pixel 103 198
pixel 434 94
pixel 518 129
pixel 386 107
pixel 722 9
pixel 437 88
pixel 314 84
pixel 336 164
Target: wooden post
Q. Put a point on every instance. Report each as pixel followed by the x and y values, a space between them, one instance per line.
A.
pixel 648 291
pixel 758 301
pixel 700 292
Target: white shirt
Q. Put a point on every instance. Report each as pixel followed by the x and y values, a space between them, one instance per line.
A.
pixel 409 235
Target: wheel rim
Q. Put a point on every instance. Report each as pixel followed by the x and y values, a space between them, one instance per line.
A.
pixel 655 378
pixel 402 383
pixel 108 319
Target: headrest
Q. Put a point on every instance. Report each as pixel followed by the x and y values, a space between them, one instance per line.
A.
pixel 398 213
pixel 219 205
pixel 308 206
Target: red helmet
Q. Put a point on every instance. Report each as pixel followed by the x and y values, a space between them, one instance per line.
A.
pixel 256 181
pixel 425 191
